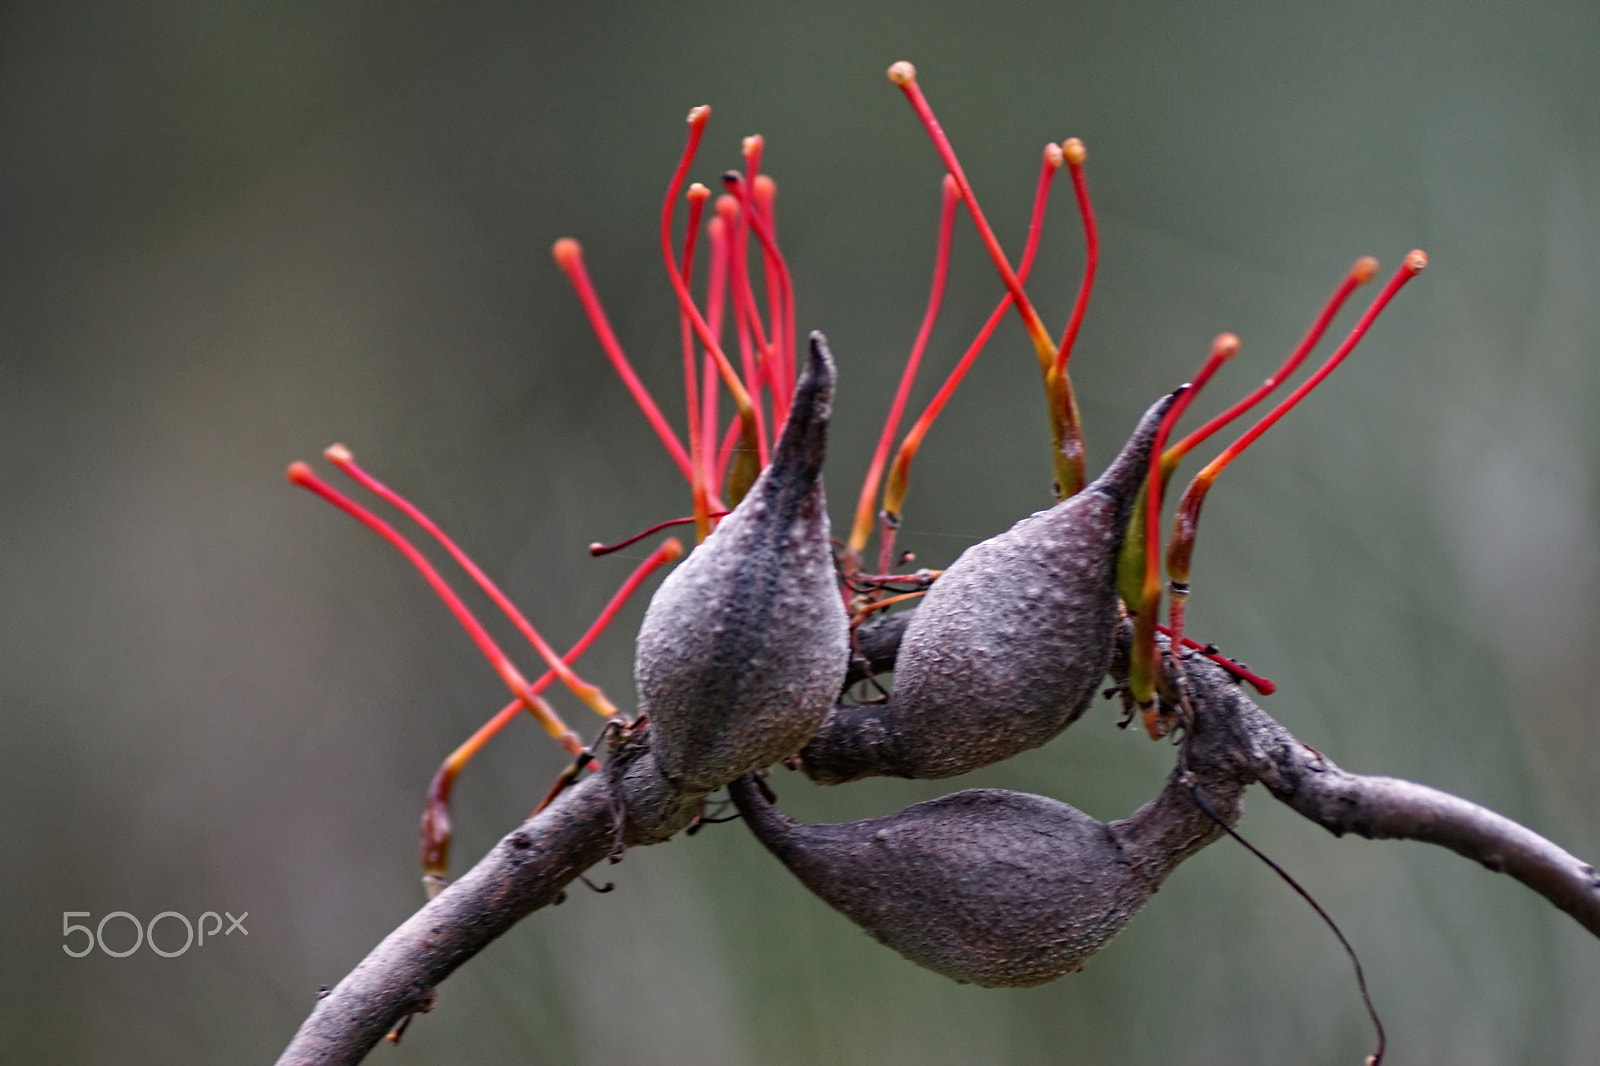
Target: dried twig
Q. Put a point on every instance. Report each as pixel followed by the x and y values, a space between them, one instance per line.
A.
pixel 1234 743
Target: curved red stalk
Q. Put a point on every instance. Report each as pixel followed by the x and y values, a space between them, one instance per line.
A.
pixel 1261 684
pixel 772 352
pixel 1180 552
pixel 765 360
pixel 300 474
pixel 1065 432
pixel 436 810
pixel 770 345
pixel 904 76
pixel 765 192
pixel 597 549
pixel 746 318
pixel 1360 272
pixel 1073 151
pixel 591 695
pixel 861 529
pixel 725 452
pixel 741 396
pixel 569 257
pixel 716 304
pixel 698 194
pixel 1142 657
pixel 900 472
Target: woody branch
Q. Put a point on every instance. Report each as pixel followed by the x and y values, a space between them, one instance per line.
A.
pixel 1234 743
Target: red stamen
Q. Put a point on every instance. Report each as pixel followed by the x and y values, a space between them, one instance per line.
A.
pixel 569 257
pixel 904 76
pixel 900 473
pixel 764 361
pixel 1259 683
pixel 597 549
pixel 730 440
pixel 771 356
pixel 1361 272
pixel 1142 664
pixel 771 346
pixel 436 829
pixel 879 605
pixel 741 396
pixel 746 321
pixel 1065 432
pixel 698 194
pixel 1223 348
pixel 1065 424
pixel 1073 151
pixel 1180 552
pixel 300 474
pixel 765 192
pixel 861 529
pixel 591 695
pixel 1146 520
pixel 716 304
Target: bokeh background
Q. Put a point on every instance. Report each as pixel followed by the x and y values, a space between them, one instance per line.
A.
pixel 235 233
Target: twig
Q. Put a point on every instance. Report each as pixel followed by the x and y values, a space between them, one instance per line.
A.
pixel 525 871
pixel 1234 742
pixel 1388 808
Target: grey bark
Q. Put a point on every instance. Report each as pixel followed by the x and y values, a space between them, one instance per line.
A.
pixel 1233 743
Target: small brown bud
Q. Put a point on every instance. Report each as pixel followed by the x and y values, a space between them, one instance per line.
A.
pixel 996 888
pixel 1007 648
pixel 745 645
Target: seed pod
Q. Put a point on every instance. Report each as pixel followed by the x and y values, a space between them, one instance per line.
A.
pixel 996 888
pixel 744 647
pixel 1007 648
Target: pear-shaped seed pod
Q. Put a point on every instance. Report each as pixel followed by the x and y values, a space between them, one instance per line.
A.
pixel 745 645
pixel 996 888
pixel 1007 648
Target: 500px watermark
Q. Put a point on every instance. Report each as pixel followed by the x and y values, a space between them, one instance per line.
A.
pixel 146 933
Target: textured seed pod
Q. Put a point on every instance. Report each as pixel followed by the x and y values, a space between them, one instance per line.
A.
pixel 996 888
pixel 745 645
pixel 1007 648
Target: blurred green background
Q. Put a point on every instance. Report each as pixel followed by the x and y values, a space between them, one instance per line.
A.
pixel 235 233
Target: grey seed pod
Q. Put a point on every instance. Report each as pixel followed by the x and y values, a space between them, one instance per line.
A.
pixel 996 888
pixel 1007 648
pixel 744 646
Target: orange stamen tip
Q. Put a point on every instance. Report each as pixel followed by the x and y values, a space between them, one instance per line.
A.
pixel 728 206
pixel 300 474
pixel 671 550
pixel 699 115
pixel 1364 270
pixel 1154 724
pixel 1416 261
pixel 902 73
pixel 1074 151
pixel 752 144
pixel 697 193
pixel 1053 157
pixel 764 187
pixel 568 253
pixel 1226 346
pixel 338 454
